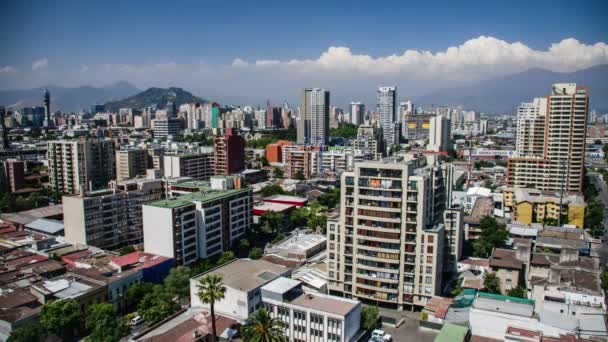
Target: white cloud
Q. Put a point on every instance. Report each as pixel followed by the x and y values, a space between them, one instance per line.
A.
pixel 40 64
pixel 7 69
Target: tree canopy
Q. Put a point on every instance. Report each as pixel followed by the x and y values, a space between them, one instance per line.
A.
pixel 369 317
pixel 62 318
pixel 344 131
pixel 491 283
pixel 262 327
pixel 492 234
pixel 104 325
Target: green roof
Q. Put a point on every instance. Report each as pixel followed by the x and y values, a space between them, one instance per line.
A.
pixel 205 195
pixel 506 298
pixel 452 333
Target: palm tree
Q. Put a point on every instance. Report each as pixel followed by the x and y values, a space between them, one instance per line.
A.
pixel 261 327
pixel 211 289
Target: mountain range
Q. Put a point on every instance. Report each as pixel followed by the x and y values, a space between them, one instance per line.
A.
pixel 68 99
pixel 154 97
pixel 504 94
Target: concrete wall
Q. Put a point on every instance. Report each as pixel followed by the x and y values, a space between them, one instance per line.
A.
pixel 73 220
pixel 158 231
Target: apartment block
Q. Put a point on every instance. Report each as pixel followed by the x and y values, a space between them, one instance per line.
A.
pixel 12 175
pixel 199 224
pixel 130 163
pixel 229 153
pixel 416 126
pixel 534 206
pixel 562 161
pixel 369 137
pixel 198 165
pixel 387 114
pixel 81 165
pixel 313 125
pixel 310 316
pixel 107 219
pixel 165 127
pixel 387 247
pixel 439 134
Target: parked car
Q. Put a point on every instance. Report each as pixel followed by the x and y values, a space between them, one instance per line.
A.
pixel 380 335
pixel 137 321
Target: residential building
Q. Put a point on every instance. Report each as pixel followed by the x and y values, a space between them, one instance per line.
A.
pixel 243 279
pixel 12 175
pixel 302 161
pixel 508 267
pixel 439 134
pixel 561 164
pixel 274 152
pixel 229 153
pixel 311 316
pixel 198 165
pixel 387 114
pixel 357 113
pixel 130 163
pixel 166 127
pixel 415 126
pixel 388 247
pixel 106 219
pixel 454 236
pixel 531 122
pixel 199 224
pixel 370 137
pixel 534 206
pixel 151 189
pixel 313 127
pixel 81 165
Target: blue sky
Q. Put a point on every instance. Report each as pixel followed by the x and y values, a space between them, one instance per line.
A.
pixel 46 41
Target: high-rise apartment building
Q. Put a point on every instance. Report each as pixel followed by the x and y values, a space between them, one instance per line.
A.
pixel 131 162
pixel 560 163
pixel 199 224
pixel 357 113
pixel 167 127
pixel 530 138
pixel 369 137
pixel 313 127
pixel 439 134
pixel 107 219
pixel 12 175
pixel 229 153
pixel 387 114
pixel 416 126
pixel 80 165
pixel 387 245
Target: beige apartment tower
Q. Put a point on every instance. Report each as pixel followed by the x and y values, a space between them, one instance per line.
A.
pixel 561 160
pixel 386 247
pixel 130 163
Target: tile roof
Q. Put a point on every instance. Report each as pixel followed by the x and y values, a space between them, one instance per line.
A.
pixel 505 258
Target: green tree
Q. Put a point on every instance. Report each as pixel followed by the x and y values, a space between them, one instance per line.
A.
pixel 210 290
pixel 277 173
pixel 225 257
pixel 178 281
pixel 127 250
pixel 491 283
pixel 317 220
pixel 299 176
pixel 62 318
pixel 344 131
pixel 369 317
pixel 273 189
pixel 272 221
pixel 594 218
pixel 298 217
pixel 256 253
pixel 27 333
pixel 104 325
pixel 261 327
pixel 157 305
pixel 244 244
pixel 604 278
pixel 330 199
pixel 492 234
pixel 136 293
pixel 518 292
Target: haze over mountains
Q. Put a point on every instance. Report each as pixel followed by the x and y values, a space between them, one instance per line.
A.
pixel 494 96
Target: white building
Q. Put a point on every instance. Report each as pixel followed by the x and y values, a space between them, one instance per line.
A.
pixel 313 127
pixel 243 279
pixel 311 317
pixel 357 113
pixel 387 114
pixel 439 134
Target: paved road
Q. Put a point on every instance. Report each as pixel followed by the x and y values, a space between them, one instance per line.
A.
pixel 601 251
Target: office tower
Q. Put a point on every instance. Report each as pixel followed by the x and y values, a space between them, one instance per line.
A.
pixel 200 224
pixel 47 110
pixel 386 248
pixel 562 159
pixel 167 127
pixel 530 139
pixel 313 127
pixel 439 134
pixel 107 219
pixel 131 162
pixel 97 108
pixel 387 115
pixel 215 115
pixel 198 165
pixel 82 165
pixel 171 109
pixel 335 116
pixel 357 113
pixel 416 126
pixel 5 141
pixel 229 153
pixel 369 137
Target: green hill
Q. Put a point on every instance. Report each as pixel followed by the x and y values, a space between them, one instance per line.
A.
pixel 154 97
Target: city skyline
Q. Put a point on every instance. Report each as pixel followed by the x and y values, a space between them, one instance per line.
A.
pixel 228 63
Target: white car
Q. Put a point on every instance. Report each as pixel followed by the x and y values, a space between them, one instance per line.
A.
pixel 380 335
pixel 137 321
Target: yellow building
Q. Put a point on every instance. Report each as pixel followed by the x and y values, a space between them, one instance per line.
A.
pixel 534 206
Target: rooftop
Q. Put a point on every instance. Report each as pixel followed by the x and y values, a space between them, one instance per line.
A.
pixel 271 206
pixel 505 258
pixel 452 333
pixel 286 198
pixel 205 195
pixel 247 274
pixel 46 225
pixel 25 217
pixel 281 285
pixel 325 303
pixel 302 242
pixel 504 304
pixel 484 206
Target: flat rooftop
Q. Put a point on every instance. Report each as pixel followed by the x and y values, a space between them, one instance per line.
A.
pixel 325 303
pixel 205 195
pixel 246 274
pixel 286 198
pixel 302 242
pixel 46 225
pixel 504 304
pixel 271 206
pixel 281 285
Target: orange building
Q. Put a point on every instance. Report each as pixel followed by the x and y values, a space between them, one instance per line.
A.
pixel 274 152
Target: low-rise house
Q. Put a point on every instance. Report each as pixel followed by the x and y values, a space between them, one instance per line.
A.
pixel 508 268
